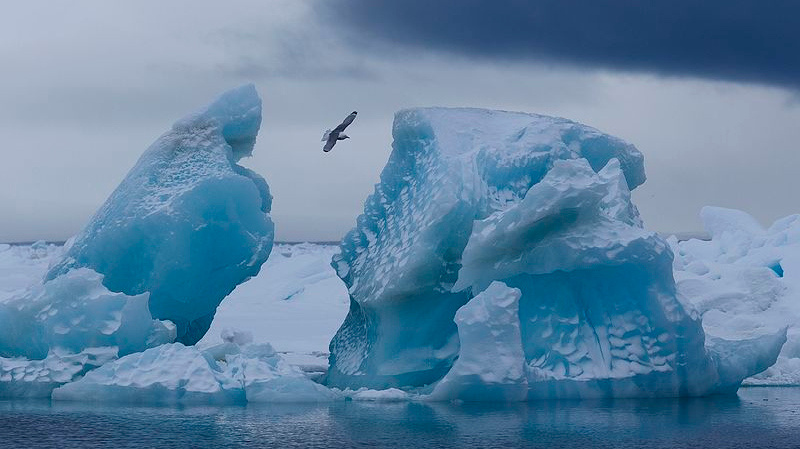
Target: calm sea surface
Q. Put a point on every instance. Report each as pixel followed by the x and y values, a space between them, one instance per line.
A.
pixel 757 417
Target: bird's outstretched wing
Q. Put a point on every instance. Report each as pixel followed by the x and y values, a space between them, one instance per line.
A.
pixel 347 121
pixel 326 135
pixel 330 143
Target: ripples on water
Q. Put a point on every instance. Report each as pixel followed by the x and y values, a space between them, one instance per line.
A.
pixel 758 417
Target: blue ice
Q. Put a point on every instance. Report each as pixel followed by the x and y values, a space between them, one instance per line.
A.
pixel 187 224
pixel 530 204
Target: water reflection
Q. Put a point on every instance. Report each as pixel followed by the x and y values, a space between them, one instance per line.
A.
pixel 759 417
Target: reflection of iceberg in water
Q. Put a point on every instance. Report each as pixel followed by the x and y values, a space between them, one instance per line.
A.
pixel 755 419
pixel 660 422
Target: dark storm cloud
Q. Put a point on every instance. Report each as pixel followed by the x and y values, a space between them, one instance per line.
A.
pixel 738 40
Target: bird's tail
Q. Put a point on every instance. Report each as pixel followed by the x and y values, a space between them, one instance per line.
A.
pixel 326 135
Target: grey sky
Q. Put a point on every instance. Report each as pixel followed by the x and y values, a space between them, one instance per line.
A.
pixel 88 85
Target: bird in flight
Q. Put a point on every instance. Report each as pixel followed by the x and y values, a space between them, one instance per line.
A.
pixel 331 136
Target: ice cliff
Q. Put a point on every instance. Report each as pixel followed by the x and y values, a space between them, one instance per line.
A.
pixel 187 224
pixel 542 205
pixel 745 282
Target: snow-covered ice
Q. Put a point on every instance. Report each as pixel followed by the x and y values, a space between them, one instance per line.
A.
pixel 296 300
pixel 745 282
pixel 54 332
pixel 296 303
pixel 176 374
pixel 23 378
pixel 23 265
pixel 187 224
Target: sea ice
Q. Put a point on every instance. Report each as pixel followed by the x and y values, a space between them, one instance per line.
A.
pixel 296 299
pixel 745 283
pixel 541 204
pixel 296 302
pixel 171 374
pixel 229 373
pixel 23 378
pixel 55 332
pixel 187 224
pixel 74 312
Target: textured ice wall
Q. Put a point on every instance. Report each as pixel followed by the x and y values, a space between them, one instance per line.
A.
pixel 187 224
pixel 74 312
pixel 491 362
pixel 448 168
pixel 542 204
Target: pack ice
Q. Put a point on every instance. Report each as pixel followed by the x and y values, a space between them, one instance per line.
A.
pixel 744 281
pixel 187 224
pixel 180 232
pixel 481 215
pixel 233 372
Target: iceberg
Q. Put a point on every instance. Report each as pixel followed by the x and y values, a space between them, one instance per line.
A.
pixel 55 332
pixel 472 197
pixel 182 230
pixel 187 224
pixel 744 282
pixel 230 373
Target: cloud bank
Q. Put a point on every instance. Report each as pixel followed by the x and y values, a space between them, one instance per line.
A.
pixel 735 40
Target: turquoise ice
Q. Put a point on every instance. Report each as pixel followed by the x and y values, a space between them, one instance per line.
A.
pixel 541 204
pixel 187 224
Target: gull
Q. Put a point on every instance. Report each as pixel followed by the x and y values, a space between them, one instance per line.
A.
pixel 331 136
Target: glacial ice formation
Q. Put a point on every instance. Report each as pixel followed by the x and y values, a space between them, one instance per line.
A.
pixel 541 204
pixel 74 312
pixel 491 362
pixel 176 374
pixel 296 298
pixel 744 281
pixel 36 379
pixel 187 224
pixel 53 333
pixel 180 232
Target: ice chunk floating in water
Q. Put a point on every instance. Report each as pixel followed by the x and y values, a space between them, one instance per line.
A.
pixel 745 283
pixel 542 204
pixel 74 312
pixel 178 374
pixel 55 332
pixel 187 224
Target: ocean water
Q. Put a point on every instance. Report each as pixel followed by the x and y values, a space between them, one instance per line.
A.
pixel 757 417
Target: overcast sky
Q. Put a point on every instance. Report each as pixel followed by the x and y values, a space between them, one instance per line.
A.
pixel 707 90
